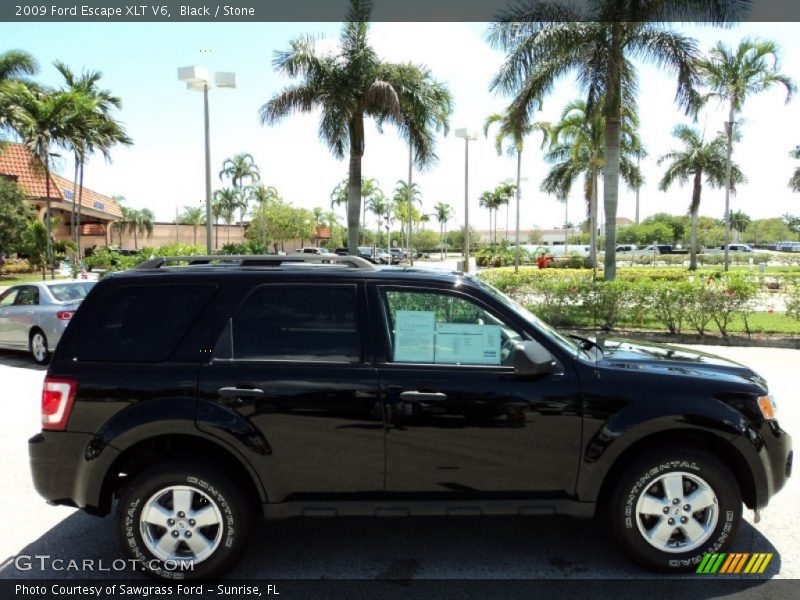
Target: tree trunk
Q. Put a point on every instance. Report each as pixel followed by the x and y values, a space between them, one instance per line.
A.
pixel 48 217
pixel 410 192
pixel 354 182
pixel 73 217
pixel 194 230
pixel 695 207
pixel 78 213
pixel 593 222
pixel 728 162
pixel 135 240
pixel 519 194
pixel 612 109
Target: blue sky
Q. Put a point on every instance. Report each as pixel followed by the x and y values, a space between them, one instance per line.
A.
pixel 164 169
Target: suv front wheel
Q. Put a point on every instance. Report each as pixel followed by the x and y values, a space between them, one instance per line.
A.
pixel 670 507
pixel 183 521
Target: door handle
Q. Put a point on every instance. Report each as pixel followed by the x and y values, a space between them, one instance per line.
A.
pixel 235 392
pixel 423 396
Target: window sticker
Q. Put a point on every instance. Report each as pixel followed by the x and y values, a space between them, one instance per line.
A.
pixel 414 336
pixel 458 343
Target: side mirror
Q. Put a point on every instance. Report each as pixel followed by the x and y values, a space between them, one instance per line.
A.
pixel 531 358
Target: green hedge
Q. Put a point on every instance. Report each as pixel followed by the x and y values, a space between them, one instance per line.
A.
pixel 643 297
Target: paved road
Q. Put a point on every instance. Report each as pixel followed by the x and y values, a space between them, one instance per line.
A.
pixel 370 548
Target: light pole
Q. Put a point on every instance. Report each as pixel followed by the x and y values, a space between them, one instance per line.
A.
pixel 198 79
pixel 467 135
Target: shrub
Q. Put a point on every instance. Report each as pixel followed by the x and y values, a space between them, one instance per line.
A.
pixel 793 301
pixel 669 302
pixel 14 266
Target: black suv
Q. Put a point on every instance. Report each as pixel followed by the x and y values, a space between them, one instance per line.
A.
pixel 202 394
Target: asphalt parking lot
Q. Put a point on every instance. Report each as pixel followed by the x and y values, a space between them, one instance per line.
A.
pixel 430 548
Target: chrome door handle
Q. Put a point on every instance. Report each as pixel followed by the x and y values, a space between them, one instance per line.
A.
pixel 423 396
pixel 234 392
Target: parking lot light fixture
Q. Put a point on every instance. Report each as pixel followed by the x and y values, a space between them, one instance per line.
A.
pixel 198 79
pixel 467 135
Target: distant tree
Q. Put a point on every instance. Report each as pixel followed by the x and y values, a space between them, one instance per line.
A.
pixel 794 182
pixel 15 215
pixel 34 244
pixel 194 216
pixel 793 223
pixel 739 222
pixel 240 168
pixel 444 212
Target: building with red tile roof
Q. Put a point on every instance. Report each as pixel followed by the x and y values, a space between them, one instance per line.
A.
pixel 98 212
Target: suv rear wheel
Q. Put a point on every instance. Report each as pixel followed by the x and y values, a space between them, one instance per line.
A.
pixel 183 521
pixel 670 507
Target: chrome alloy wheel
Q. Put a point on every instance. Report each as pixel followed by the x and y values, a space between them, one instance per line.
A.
pixel 181 523
pixel 677 512
pixel 39 346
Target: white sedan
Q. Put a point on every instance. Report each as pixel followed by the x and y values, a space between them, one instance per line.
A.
pixel 34 315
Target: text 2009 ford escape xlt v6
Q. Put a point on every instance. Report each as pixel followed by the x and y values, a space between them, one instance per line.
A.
pixel 201 395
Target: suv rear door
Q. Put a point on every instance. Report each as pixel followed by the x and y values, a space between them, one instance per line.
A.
pixel 293 362
pixel 459 421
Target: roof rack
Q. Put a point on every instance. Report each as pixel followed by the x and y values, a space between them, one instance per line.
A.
pixel 258 260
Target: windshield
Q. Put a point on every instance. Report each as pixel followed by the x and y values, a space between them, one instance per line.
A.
pixel 565 343
pixel 70 292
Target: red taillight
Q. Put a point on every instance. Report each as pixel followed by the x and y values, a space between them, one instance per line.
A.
pixel 64 315
pixel 57 398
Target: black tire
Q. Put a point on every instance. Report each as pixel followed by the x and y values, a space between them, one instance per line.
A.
pixel 208 482
pixel 644 475
pixel 41 359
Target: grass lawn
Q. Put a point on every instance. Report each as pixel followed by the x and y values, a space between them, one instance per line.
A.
pixel 7 280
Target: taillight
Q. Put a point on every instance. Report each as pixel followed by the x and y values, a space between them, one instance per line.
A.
pixel 57 398
pixel 64 315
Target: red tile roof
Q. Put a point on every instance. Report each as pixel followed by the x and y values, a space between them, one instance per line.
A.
pixel 16 161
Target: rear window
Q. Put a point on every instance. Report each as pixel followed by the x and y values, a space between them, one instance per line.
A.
pixel 294 323
pixel 67 292
pixel 142 323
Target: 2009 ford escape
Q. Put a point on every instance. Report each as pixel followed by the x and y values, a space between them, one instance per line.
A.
pixel 203 394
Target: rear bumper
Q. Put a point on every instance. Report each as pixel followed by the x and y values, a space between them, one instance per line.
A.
pixel 68 468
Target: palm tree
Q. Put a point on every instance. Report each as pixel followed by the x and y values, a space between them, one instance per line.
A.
pixel 545 40
pixel 379 205
pixel 696 160
pixel 351 85
pixel 141 224
pixel 733 75
pixel 577 147
pixel 405 197
pixel 515 132
pixel 444 212
pixel 240 168
pixel 739 223
pixel 91 127
pixel 794 182
pixel 14 66
pixel 194 216
pixel 41 119
pixel 227 200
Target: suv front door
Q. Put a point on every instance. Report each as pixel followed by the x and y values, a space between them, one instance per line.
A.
pixel 292 363
pixel 460 422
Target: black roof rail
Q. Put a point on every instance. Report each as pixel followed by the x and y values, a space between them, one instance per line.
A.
pixel 258 260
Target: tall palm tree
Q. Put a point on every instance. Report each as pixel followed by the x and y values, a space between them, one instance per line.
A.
pixel 354 84
pixel 91 128
pixel 544 40
pixel 443 212
pixel 194 216
pixel 228 201
pixel 489 201
pixel 379 205
pixel 739 223
pixel 41 119
pixel 405 198
pixel 239 168
pixel 142 224
pixel 794 182
pixel 696 159
pixel 577 147
pixel 514 131
pixel 731 75
pixel 14 66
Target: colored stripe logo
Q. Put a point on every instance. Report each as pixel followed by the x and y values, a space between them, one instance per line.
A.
pixel 734 562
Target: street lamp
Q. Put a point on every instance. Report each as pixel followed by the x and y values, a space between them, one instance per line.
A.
pixel 198 79
pixel 467 135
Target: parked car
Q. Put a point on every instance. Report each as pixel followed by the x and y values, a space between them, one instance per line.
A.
pixel 661 249
pixel 376 254
pixel 731 248
pixel 344 252
pixel 627 248
pixel 398 255
pixel 787 246
pixel 353 389
pixel 315 250
pixel 34 315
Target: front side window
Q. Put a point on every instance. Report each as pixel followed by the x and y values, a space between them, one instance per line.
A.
pixel 7 298
pixel 438 328
pixel 294 323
